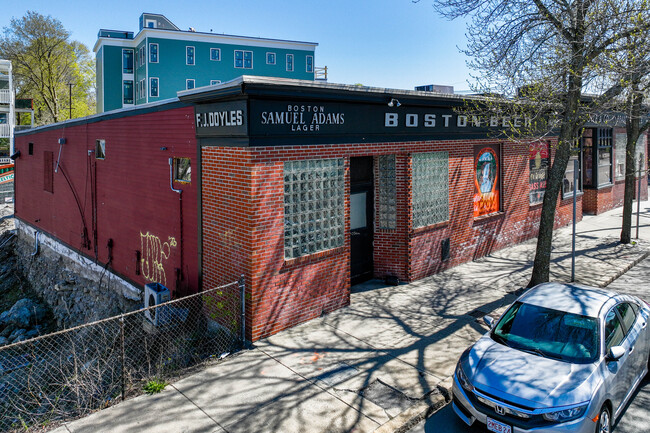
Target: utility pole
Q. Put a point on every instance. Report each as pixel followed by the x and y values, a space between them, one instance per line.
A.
pixel 70 102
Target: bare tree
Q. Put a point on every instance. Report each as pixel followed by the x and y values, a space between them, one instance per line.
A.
pixel 550 47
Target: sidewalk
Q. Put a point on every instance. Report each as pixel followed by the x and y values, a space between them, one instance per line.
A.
pixel 378 365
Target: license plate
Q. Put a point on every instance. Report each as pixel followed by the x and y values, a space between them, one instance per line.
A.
pixel 498 427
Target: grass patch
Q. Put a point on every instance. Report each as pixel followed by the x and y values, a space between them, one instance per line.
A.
pixel 154 386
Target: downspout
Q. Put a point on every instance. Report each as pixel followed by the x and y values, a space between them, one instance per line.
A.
pixel 171 176
pixel 179 275
pixel 36 243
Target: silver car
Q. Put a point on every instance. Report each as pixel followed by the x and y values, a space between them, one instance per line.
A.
pixel 562 358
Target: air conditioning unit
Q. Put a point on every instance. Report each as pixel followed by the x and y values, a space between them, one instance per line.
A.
pixel 154 295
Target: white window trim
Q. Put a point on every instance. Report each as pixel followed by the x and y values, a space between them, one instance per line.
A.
pixel 219 51
pixel 147 22
pixel 187 82
pixel 275 58
pixel 193 55
pixel 132 61
pixel 132 86
pixel 234 59
pixel 143 55
pixel 213 82
pixel 293 65
pixel 307 64
pixel 157 52
pixel 157 87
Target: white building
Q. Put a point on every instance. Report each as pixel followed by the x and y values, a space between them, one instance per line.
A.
pixel 7 104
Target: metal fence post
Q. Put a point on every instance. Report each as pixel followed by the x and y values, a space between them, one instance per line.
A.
pixel 242 295
pixel 123 357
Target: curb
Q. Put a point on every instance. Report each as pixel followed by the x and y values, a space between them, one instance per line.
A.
pixel 408 418
pixel 627 268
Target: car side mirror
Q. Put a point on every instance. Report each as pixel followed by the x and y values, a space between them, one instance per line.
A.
pixel 615 353
pixel 489 321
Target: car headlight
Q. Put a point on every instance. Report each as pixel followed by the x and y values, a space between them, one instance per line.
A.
pixel 565 415
pixel 462 378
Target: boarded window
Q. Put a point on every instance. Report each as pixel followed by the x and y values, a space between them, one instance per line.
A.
pixel 48 171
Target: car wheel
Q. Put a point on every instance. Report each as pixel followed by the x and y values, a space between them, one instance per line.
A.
pixel 604 424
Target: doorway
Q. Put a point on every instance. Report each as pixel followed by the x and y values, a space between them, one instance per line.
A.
pixel 362 215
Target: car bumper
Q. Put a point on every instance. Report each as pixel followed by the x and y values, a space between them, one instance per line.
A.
pixel 469 414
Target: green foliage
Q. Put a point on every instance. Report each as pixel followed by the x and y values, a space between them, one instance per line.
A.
pixel 154 386
pixel 45 62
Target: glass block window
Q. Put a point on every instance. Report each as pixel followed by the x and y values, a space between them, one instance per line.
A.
pixel 314 205
pixel 430 188
pixel 387 193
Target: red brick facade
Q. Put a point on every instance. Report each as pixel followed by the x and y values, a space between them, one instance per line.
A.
pixel 243 226
pixel 236 226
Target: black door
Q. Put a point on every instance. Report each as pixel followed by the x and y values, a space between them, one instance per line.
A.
pixel 361 218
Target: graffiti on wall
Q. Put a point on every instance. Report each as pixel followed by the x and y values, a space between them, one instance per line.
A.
pixel 154 253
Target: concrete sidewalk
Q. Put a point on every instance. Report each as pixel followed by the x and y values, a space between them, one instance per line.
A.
pixel 380 364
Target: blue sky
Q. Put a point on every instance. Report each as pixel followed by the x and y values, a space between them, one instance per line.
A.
pixel 383 43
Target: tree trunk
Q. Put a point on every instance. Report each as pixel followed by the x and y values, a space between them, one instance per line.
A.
pixel 632 126
pixel 568 130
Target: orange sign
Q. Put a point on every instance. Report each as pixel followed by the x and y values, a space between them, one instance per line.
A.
pixel 486 180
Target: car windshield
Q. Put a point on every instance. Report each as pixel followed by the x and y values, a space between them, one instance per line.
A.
pixel 549 333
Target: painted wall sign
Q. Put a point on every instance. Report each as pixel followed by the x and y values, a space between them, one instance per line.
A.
pixel 486 180
pixel 222 119
pixel 539 161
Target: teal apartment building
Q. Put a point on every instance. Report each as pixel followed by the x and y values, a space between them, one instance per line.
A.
pixel 162 59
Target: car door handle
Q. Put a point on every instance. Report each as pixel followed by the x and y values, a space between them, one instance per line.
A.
pixel 632 350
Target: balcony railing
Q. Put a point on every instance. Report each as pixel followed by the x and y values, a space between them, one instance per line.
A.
pixel 21 127
pixel 320 74
pixel 4 130
pixel 5 96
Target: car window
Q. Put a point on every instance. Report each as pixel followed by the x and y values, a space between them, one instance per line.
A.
pixel 549 333
pixel 613 330
pixel 627 314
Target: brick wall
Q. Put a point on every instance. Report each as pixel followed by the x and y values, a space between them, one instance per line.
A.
pixel 243 226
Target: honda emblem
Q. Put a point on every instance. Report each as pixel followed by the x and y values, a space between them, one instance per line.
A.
pixel 500 410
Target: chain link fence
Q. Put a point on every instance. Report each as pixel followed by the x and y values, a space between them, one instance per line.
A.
pixel 6 192
pixel 67 374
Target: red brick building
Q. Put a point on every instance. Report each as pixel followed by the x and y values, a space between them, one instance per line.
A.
pixel 303 188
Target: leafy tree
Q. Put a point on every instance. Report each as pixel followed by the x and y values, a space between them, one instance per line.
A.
pixel 550 48
pixel 44 62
